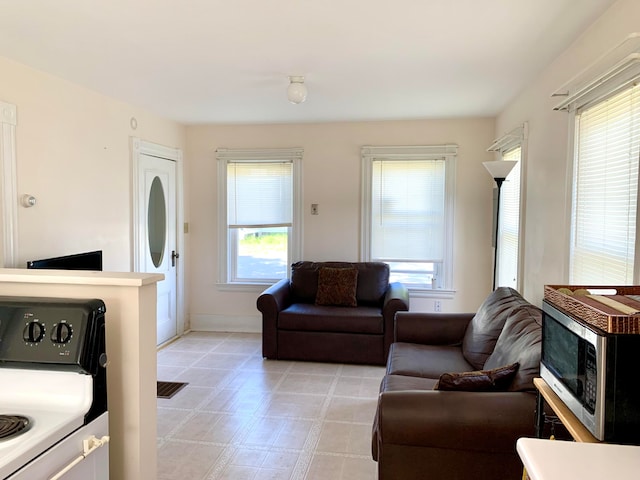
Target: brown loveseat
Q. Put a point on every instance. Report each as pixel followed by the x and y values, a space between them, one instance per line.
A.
pixel 422 433
pixel 301 319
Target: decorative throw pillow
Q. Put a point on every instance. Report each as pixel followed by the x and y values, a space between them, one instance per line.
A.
pixel 337 286
pixel 495 380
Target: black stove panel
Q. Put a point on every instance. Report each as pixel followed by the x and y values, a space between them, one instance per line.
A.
pixel 61 334
pixel 57 334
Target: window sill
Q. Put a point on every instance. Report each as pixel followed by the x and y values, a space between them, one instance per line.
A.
pixel 430 293
pixel 243 287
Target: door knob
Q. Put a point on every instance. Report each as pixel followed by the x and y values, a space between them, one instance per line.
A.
pixel 174 256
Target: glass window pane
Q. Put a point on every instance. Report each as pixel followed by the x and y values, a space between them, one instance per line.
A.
pixel 412 273
pixel 262 253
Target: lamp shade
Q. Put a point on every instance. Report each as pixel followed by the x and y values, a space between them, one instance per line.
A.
pixel 499 168
pixel 297 91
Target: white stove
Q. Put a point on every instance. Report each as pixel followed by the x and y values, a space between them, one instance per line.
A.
pixel 53 407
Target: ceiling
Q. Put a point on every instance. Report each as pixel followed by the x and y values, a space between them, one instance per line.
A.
pixel 228 61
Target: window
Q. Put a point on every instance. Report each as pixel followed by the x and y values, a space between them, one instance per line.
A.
pixel 605 190
pixel 510 148
pixel 408 212
pixel 259 214
pixel 509 234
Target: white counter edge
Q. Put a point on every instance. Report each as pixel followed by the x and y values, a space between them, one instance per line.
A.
pixel 78 277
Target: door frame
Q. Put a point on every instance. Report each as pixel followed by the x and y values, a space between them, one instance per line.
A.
pixel 142 147
pixel 8 185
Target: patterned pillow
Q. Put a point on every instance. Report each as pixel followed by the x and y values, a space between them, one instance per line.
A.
pixel 495 380
pixel 337 287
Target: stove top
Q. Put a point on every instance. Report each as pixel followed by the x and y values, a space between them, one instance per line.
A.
pixel 12 425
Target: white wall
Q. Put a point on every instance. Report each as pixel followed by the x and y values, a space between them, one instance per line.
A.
pixel 331 178
pixel 548 181
pixel 73 155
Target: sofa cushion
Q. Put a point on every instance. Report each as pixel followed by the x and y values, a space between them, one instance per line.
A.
pixel 337 286
pixel 304 281
pixel 482 332
pixel 373 280
pixel 426 361
pixel 520 341
pixel 494 380
pixel 399 383
pixel 320 318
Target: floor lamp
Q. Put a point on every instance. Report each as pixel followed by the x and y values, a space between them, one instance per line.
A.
pixel 499 170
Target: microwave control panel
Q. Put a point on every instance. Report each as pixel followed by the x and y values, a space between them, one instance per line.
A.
pixel 590 380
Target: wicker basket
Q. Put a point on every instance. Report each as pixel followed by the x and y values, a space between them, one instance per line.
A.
pixel 598 316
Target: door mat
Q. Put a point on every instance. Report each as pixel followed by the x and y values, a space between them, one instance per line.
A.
pixel 169 389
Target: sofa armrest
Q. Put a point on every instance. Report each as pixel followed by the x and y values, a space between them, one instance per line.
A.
pixel 488 422
pixel 396 299
pixel 431 328
pixel 270 303
pixel 275 298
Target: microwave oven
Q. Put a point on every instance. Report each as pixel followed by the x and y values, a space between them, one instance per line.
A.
pixel 596 374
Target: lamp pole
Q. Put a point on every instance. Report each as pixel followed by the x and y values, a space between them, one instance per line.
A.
pixel 495 252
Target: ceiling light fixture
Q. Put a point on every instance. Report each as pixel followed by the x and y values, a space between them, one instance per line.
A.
pixel 297 91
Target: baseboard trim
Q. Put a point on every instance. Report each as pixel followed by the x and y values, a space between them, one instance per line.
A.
pixel 226 323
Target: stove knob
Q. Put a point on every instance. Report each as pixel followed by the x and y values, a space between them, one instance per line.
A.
pixel 61 333
pixel 33 332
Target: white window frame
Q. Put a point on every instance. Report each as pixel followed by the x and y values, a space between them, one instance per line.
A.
pixel 225 250
pixel 507 143
pixel 613 72
pixel 448 153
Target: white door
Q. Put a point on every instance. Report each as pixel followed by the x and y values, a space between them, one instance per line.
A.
pixel 157 220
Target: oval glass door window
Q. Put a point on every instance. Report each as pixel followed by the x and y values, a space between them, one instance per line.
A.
pixel 157 222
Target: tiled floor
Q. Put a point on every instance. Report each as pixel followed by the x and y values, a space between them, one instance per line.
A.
pixel 245 418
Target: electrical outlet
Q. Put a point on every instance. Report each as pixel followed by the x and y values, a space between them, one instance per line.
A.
pixel 314 209
pixel 437 307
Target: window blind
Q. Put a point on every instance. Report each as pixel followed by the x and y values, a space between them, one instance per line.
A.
pixel 259 194
pixel 507 271
pixel 408 210
pixel 606 190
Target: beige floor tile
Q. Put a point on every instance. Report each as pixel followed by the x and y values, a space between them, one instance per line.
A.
pixel 346 438
pixel 260 465
pixel 205 377
pixel 360 371
pixel 211 427
pixel 240 402
pixel 221 360
pixel 294 405
pixel 358 387
pixel 259 363
pixel 244 417
pixel 169 419
pixel 304 383
pixel 312 368
pixel 175 358
pixel 341 468
pixel 281 433
pixel 168 373
pixel 350 409
pixel 182 461
pixel 256 381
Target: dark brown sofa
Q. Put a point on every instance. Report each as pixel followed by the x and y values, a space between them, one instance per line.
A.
pixel 294 327
pixel 422 433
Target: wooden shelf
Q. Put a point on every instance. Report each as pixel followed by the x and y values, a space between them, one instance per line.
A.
pixel 568 419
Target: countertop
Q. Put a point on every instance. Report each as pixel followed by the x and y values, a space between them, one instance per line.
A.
pixel 562 460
